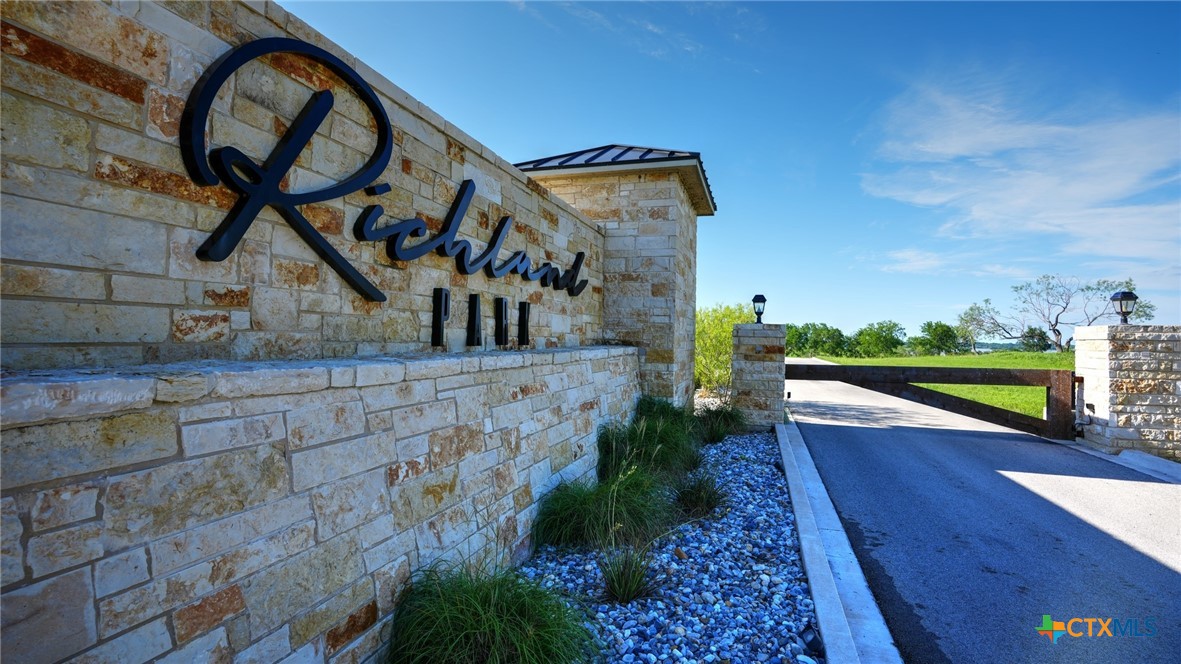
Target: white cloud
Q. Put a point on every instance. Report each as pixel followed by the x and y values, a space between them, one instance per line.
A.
pixel 914 261
pixel 1088 179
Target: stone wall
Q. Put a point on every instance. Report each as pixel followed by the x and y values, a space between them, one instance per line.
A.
pixel 198 463
pixel 257 510
pixel 756 369
pixel 650 264
pixel 1131 387
pixel 102 220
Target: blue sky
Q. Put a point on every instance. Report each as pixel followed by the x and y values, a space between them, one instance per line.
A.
pixel 870 161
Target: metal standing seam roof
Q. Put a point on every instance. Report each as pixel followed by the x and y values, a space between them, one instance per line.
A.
pixel 632 158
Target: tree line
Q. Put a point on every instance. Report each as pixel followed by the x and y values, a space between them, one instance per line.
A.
pixel 1037 322
pixel 1042 310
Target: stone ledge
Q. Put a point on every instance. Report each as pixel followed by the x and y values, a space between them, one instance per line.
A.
pixel 34 397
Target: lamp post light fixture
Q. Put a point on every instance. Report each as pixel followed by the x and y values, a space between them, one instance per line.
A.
pixel 760 303
pixel 1125 303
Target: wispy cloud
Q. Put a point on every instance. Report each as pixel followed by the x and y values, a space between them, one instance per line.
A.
pixel 976 263
pixel 1004 169
pixel 645 29
pixel 914 260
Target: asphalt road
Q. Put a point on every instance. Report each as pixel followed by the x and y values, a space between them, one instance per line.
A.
pixel 969 533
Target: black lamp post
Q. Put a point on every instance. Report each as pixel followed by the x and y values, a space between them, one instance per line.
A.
pixel 760 303
pixel 1125 303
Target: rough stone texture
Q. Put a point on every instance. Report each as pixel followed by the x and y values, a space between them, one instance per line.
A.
pixel 29 402
pixel 283 502
pixel 65 505
pixel 92 96
pixel 756 368
pixel 56 450
pixel 202 502
pixel 200 617
pixel 11 553
pixel 61 606
pixel 121 571
pixel 1131 387
pixel 66 548
pixel 175 497
pixel 142 644
pixel 650 267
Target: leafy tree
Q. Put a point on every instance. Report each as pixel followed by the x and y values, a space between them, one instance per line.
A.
pixel 878 339
pixel 1055 302
pixel 715 342
pixel 794 340
pixel 972 325
pixel 1035 340
pixel 811 339
pixel 937 339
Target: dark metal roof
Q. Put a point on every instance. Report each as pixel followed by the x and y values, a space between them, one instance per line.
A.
pixel 632 158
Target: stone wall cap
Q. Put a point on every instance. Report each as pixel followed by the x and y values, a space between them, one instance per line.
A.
pixel 1101 332
pixel 12 377
pixel 35 396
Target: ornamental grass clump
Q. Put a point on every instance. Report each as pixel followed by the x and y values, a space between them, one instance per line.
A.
pixel 699 495
pixel 717 422
pixel 662 439
pixel 631 507
pixel 663 409
pixel 463 615
pixel 628 574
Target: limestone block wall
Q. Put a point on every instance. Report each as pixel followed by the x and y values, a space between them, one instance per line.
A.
pixel 102 220
pixel 252 511
pixel 757 373
pixel 1131 386
pixel 650 265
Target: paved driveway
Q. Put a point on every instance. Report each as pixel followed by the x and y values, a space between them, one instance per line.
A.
pixel 969 532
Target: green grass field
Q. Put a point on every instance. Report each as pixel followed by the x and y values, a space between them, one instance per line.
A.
pixel 1028 400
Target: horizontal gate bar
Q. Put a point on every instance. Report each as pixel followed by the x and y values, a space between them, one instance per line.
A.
pixel 946 375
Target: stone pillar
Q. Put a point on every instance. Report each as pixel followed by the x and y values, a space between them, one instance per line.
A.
pixel 649 267
pixel 756 377
pixel 1131 387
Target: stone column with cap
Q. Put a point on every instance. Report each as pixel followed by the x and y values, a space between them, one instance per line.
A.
pixel 756 373
pixel 647 201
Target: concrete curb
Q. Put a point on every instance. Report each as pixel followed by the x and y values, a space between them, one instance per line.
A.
pixel 1141 462
pixel 1151 465
pixel 851 624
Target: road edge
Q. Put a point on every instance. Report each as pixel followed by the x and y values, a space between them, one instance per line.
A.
pixel 1139 461
pixel 851 624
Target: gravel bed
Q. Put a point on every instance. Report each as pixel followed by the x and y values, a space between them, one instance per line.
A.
pixel 732 589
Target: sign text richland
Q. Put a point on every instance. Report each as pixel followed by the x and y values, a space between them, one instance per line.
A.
pixel 447 244
pixel 258 185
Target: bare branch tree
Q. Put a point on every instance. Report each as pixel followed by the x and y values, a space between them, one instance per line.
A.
pixel 1055 302
pixel 1058 301
pixel 984 320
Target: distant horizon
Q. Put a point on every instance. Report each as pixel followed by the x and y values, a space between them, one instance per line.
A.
pixel 870 161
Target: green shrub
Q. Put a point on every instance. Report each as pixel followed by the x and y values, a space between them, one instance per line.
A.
pixel 714 343
pixel 631 507
pixel 699 495
pixel 462 615
pixel 717 422
pixel 628 574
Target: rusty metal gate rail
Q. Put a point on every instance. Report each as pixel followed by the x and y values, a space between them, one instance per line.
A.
pixel 898 381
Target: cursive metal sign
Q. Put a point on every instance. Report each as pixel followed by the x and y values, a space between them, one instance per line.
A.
pixel 258 185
